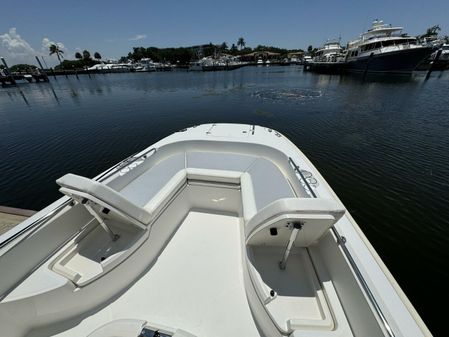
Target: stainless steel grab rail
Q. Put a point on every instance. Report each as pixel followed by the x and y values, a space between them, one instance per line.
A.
pixel 302 176
pixel 342 242
pixel 36 224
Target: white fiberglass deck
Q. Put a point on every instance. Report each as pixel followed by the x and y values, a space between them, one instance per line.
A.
pixel 196 284
pixel 188 235
pixel 297 289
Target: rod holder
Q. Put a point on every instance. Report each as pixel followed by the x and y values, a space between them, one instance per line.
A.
pixel 296 227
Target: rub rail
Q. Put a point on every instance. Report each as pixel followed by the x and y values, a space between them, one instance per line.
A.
pixel 342 241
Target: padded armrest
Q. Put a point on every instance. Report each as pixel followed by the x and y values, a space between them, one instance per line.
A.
pixel 324 212
pixel 74 185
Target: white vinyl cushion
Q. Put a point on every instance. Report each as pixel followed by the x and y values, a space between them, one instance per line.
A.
pixel 143 188
pixel 219 161
pixel 319 214
pixel 74 185
pixel 166 192
pixel 248 200
pixel 269 183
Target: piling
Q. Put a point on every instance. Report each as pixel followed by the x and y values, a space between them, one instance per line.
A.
pixel 432 64
pixel 44 74
pixel 10 75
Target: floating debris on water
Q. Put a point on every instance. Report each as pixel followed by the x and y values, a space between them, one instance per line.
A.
pixel 288 95
pixel 263 113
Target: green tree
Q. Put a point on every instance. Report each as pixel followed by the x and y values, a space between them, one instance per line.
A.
pixel 86 55
pixel 233 49
pixel 430 34
pixel 71 65
pixel 78 56
pixel 224 46
pixel 310 49
pixel 23 68
pixel 54 49
pixel 433 30
pixel 241 43
pixel 97 56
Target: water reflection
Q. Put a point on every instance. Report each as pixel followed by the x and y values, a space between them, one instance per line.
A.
pixel 381 142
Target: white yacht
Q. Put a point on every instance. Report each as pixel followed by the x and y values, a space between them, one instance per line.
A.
pixel 330 52
pixel 384 49
pixel 328 59
pixel 111 67
pixel 307 59
pixel 442 62
pixel 217 230
pixel 146 65
pixel 259 61
pixel 445 52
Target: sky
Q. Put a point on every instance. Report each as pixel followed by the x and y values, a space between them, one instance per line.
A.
pixel 112 28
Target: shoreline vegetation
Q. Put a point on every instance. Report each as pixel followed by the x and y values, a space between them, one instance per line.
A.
pixel 177 56
pixel 180 56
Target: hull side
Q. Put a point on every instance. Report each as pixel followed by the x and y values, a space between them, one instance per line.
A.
pixel 325 67
pixel 401 62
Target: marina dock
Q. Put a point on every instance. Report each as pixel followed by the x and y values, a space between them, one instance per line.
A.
pixel 23 77
pixel 10 217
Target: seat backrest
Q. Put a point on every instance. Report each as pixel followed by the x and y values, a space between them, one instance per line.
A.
pixel 270 226
pixel 83 188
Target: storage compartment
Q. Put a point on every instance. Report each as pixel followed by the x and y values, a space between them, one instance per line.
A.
pixel 294 297
pixel 93 253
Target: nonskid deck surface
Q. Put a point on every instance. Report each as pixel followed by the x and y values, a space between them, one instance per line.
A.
pixel 196 284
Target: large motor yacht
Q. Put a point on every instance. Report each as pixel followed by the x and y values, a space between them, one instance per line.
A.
pixel 217 230
pixel 328 59
pixel 383 49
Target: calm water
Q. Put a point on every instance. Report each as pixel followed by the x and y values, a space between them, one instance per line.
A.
pixel 382 145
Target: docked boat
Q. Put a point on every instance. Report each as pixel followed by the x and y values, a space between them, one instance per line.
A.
pixel 259 62
pixel 328 59
pixel 384 49
pixel 216 230
pixel 146 65
pixel 216 64
pixel 306 60
pixel 111 67
pixel 440 58
pixel 196 66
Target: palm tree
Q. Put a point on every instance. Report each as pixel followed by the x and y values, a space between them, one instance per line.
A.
pixel 241 43
pixel 97 56
pixel 433 30
pixel 86 55
pixel 54 49
pixel 78 56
